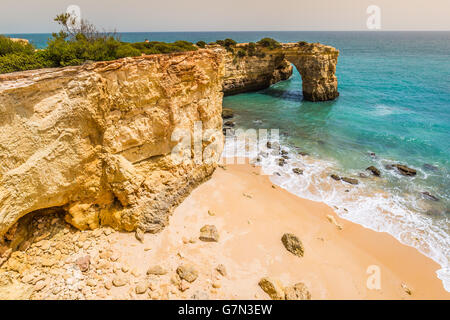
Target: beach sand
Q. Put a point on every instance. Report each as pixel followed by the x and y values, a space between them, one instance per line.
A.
pixel 252 215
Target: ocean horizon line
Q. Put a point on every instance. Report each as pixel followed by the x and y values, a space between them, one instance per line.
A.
pixel 238 31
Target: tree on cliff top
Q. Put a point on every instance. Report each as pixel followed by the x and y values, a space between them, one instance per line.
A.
pixel 73 28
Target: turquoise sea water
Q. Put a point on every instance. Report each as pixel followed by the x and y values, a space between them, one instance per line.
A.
pixel 395 102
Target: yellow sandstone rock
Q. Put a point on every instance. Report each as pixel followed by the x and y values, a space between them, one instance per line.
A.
pixel 96 139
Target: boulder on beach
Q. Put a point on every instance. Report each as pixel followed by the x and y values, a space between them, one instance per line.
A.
pixel 119 281
pixel 156 270
pixel 222 270
pixel 83 263
pixel 273 288
pixel 297 171
pixel 335 177
pixel 209 233
pixel 374 171
pixel 404 170
pixel 350 180
pixel 429 196
pixel 229 124
pixel 227 113
pixel 187 272
pixel 281 162
pixel 293 244
pixel 297 292
pixel 139 234
pixel 273 145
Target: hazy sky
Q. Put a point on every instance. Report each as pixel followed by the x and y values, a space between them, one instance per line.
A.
pixel 26 16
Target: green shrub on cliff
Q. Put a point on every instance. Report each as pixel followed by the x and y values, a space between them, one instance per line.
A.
pixel 269 43
pixel 8 46
pixel 251 49
pixel 201 44
pixel 62 51
pixel 19 56
pixel 241 53
pixel 22 61
pixel 127 50
pixel 74 46
pixel 155 47
pixel 228 44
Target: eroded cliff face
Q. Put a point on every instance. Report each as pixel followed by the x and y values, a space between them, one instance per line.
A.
pixel 96 140
pixel 315 62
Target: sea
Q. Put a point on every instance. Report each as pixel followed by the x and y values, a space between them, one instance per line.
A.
pixel 394 107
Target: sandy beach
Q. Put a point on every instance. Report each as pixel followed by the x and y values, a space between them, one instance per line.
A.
pixel 335 262
pixel 251 216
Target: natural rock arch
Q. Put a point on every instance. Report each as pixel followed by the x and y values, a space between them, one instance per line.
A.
pixel 315 62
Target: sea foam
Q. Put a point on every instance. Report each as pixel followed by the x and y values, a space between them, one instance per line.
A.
pixel 366 204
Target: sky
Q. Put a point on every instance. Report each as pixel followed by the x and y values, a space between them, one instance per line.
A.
pixel 32 16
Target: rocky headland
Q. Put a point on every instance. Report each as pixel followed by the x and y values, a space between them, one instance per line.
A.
pixel 96 140
pixel 315 62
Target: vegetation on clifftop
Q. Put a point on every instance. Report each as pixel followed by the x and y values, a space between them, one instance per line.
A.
pixel 251 49
pixel 269 43
pixel 79 43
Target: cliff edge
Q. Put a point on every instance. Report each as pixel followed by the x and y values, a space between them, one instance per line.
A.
pixel 96 140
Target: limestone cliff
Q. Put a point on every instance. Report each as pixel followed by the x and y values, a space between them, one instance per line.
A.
pixel 315 62
pixel 96 140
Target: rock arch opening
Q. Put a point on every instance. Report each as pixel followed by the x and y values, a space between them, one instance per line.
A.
pixel 315 62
